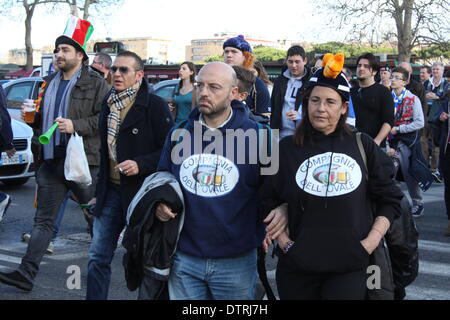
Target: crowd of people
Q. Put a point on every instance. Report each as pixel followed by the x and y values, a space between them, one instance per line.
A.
pixel 326 208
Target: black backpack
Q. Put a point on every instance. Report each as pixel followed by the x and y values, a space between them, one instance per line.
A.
pixel 402 241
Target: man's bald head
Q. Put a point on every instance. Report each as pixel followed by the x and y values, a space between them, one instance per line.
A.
pixel 407 67
pixel 222 70
pixel 216 88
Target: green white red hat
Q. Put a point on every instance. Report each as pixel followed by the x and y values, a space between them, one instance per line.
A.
pixel 76 34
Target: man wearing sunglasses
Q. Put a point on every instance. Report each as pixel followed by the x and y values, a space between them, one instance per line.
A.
pixel 72 98
pixel 133 126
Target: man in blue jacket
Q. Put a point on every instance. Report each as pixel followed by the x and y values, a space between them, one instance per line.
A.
pixel 6 144
pixel 216 256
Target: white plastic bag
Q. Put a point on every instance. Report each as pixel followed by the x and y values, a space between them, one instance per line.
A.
pixel 76 167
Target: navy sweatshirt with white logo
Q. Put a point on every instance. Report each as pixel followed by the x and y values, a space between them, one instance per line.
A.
pixel 220 192
pixel 330 209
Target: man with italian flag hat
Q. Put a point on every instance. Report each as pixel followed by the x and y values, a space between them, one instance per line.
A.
pixel 72 99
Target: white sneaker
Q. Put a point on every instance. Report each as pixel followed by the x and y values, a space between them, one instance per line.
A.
pixel 4 206
pixel 26 237
pixel 50 248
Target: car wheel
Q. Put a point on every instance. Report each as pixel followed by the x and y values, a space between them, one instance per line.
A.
pixel 15 182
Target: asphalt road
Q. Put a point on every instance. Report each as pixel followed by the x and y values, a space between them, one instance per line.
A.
pixel 55 283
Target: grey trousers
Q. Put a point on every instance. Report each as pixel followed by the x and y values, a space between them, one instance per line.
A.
pixel 413 188
pixel 52 189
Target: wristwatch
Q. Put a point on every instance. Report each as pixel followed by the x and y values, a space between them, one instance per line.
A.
pixel 288 245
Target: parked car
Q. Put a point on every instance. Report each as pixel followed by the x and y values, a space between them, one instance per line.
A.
pixel 18 169
pixel 18 90
pixel 165 89
pixel 3 81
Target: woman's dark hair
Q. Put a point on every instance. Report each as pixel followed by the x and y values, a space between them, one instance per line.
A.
pixel 262 73
pixel 191 67
pixel 305 130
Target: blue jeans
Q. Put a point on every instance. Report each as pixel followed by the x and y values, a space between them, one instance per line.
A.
pixel 194 278
pixel 107 228
pixel 60 217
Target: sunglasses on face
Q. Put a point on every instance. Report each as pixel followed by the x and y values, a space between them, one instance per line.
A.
pixel 122 70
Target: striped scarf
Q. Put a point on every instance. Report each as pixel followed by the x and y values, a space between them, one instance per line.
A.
pixel 118 101
pixel 48 113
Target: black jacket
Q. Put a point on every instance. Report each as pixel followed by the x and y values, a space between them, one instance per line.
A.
pixel 141 138
pixel 441 132
pixel 277 99
pixel 6 134
pixel 418 90
pixel 150 242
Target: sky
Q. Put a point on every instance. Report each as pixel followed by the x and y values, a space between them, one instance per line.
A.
pixel 178 21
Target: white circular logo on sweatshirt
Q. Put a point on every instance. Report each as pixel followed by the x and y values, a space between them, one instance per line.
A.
pixel 315 175
pixel 208 175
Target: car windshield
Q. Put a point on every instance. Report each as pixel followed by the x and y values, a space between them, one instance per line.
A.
pixel 19 92
pixel 165 92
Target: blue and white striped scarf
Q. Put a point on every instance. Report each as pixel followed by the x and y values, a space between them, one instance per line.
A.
pixel 49 109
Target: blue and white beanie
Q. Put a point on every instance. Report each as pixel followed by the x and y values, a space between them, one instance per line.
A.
pixel 239 43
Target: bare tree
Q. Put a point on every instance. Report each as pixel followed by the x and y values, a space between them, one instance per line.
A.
pixel 29 7
pixel 408 22
pixel 98 6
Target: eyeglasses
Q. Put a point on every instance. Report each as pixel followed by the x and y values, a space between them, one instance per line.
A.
pixel 397 78
pixel 122 70
pixel 330 103
pixel 96 62
pixel 213 88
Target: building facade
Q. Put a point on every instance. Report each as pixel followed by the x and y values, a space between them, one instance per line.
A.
pixel 201 49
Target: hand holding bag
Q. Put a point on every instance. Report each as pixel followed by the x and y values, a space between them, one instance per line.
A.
pixel 76 167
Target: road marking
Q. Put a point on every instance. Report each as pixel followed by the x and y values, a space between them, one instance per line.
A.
pixel 434 268
pixel 13 259
pixel 68 256
pixel 434 246
pixel 423 293
pixel 20 247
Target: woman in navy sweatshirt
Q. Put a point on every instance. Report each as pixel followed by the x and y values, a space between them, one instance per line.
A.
pixel 329 194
